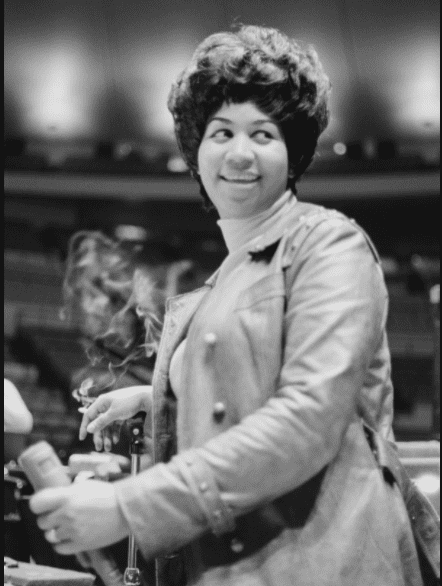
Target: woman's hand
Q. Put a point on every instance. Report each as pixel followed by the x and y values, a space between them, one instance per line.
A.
pixel 80 517
pixel 105 416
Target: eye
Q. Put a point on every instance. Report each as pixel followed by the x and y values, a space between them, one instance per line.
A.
pixel 222 134
pixel 263 135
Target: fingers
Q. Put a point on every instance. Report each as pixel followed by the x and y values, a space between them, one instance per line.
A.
pixel 116 430
pixel 47 521
pixel 99 423
pixel 98 440
pixel 67 548
pixel 96 417
pixel 107 437
pixel 53 529
pixel 62 545
pixel 53 536
pixel 84 560
pixel 47 500
pixel 92 413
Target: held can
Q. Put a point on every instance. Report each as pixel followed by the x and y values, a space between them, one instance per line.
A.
pixel 43 467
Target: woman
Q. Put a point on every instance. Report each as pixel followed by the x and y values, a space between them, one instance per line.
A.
pixel 265 376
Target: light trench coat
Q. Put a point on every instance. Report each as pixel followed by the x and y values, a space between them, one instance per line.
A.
pixel 264 475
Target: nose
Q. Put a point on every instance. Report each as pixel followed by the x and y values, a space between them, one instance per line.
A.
pixel 240 155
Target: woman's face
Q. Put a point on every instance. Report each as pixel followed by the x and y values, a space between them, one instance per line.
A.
pixel 243 161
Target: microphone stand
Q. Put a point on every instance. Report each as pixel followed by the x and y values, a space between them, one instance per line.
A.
pixel 132 575
pixel 435 305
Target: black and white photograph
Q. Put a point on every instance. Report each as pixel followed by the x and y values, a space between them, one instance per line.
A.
pixel 222 293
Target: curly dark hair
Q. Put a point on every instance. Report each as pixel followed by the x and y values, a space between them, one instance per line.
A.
pixel 256 64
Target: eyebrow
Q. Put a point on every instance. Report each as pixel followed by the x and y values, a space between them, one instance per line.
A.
pixel 254 123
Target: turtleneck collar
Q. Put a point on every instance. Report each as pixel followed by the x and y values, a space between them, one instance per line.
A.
pixel 239 232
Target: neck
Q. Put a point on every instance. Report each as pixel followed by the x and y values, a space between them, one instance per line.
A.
pixel 239 232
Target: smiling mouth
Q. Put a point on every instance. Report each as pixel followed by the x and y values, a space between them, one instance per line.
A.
pixel 244 180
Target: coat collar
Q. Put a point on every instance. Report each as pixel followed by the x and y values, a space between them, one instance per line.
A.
pixel 266 239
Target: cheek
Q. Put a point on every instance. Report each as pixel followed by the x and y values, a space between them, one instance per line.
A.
pixel 203 164
pixel 277 163
pixel 209 161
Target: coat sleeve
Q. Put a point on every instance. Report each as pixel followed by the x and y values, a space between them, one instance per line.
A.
pixel 333 324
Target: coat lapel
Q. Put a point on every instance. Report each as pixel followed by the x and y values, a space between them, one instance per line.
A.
pixel 179 313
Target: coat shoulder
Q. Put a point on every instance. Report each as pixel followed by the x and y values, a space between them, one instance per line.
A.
pixel 312 220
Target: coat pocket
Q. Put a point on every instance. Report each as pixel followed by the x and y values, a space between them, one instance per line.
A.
pixel 265 288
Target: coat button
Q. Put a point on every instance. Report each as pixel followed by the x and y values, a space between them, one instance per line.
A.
pixel 219 411
pixel 236 546
pixel 204 487
pixel 210 339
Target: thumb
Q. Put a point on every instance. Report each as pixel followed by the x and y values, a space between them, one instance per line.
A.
pixel 84 559
pixel 47 500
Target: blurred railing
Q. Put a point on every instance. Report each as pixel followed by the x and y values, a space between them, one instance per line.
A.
pixel 33 314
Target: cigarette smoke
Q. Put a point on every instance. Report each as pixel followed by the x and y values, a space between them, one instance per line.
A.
pixel 116 305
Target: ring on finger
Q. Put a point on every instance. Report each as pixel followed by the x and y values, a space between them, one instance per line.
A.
pixel 51 536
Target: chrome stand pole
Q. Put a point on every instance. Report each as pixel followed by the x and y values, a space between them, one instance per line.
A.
pixel 435 305
pixel 132 575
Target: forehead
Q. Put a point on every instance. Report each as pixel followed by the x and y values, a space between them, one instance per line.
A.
pixel 246 112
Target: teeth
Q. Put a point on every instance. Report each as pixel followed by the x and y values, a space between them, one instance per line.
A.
pixel 243 179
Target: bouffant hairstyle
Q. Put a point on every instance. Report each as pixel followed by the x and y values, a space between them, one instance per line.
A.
pixel 256 64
